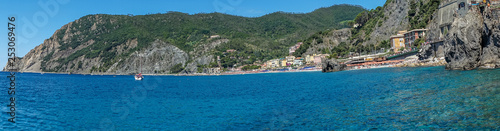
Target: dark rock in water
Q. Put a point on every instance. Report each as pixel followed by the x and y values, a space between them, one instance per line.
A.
pixel 473 42
pixel 332 65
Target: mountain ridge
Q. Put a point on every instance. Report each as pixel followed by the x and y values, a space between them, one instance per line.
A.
pixel 102 43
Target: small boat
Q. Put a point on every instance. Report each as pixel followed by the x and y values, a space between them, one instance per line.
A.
pixel 139 77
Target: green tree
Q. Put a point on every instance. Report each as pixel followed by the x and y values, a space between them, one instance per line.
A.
pixel 385 44
pixel 333 55
pixel 418 42
pixel 250 67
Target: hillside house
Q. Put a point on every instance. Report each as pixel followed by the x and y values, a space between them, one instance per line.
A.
pixel 398 41
pixel 289 60
pixel 214 36
pixel 298 61
pixel 283 62
pixel 413 35
pixel 230 50
pixel 292 49
pixel 309 59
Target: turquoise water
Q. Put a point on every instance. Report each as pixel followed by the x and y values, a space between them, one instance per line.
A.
pixel 427 98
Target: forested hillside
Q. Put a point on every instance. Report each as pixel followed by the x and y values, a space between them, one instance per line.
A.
pixel 103 43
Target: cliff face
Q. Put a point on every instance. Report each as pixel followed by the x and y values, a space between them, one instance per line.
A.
pixel 463 44
pixel 490 57
pixel 473 41
pixel 31 62
pixel 379 25
pixel 395 12
pixel 157 57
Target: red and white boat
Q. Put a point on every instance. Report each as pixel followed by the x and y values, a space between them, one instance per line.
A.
pixel 139 77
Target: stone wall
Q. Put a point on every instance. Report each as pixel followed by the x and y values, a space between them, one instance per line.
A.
pixel 445 16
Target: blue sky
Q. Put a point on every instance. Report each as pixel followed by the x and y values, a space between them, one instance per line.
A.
pixel 39 19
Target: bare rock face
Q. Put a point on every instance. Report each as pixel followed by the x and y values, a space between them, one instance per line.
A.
pixel 31 62
pixel 396 13
pixel 490 57
pixel 332 65
pixel 491 51
pixel 158 58
pixel 473 42
pixel 463 44
pixel 426 52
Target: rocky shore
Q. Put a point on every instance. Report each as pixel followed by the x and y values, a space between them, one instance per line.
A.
pixel 332 65
pixel 414 62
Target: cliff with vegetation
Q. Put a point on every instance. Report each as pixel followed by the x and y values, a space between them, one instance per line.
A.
pixel 372 29
pixel 466 40
pixel 176 42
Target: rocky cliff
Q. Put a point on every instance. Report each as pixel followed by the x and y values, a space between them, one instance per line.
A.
pixel 473 41
pixel 121 58
pixel 395 12
pixel 371 29
pixel 490 57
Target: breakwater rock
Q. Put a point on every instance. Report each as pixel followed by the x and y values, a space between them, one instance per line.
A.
pixel 332 65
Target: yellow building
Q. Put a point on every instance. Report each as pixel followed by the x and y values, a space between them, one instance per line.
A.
pixel 283 63
pixel 309 59
pixel 269 64
pixel 397 42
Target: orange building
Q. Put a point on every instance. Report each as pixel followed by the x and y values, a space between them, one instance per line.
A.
pixel 413 35
pixel 398 41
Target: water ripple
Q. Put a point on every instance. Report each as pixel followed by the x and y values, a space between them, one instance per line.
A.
pixel 428 98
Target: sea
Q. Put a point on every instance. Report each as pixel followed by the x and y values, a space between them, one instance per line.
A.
pixel 423 98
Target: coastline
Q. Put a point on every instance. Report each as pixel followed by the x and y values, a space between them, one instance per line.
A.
pixel 414 62
pixel 195 74
pixel 411 61
pixel 400 65
pixel 408 62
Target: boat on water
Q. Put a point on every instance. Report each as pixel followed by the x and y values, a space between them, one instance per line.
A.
pixel 139 77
